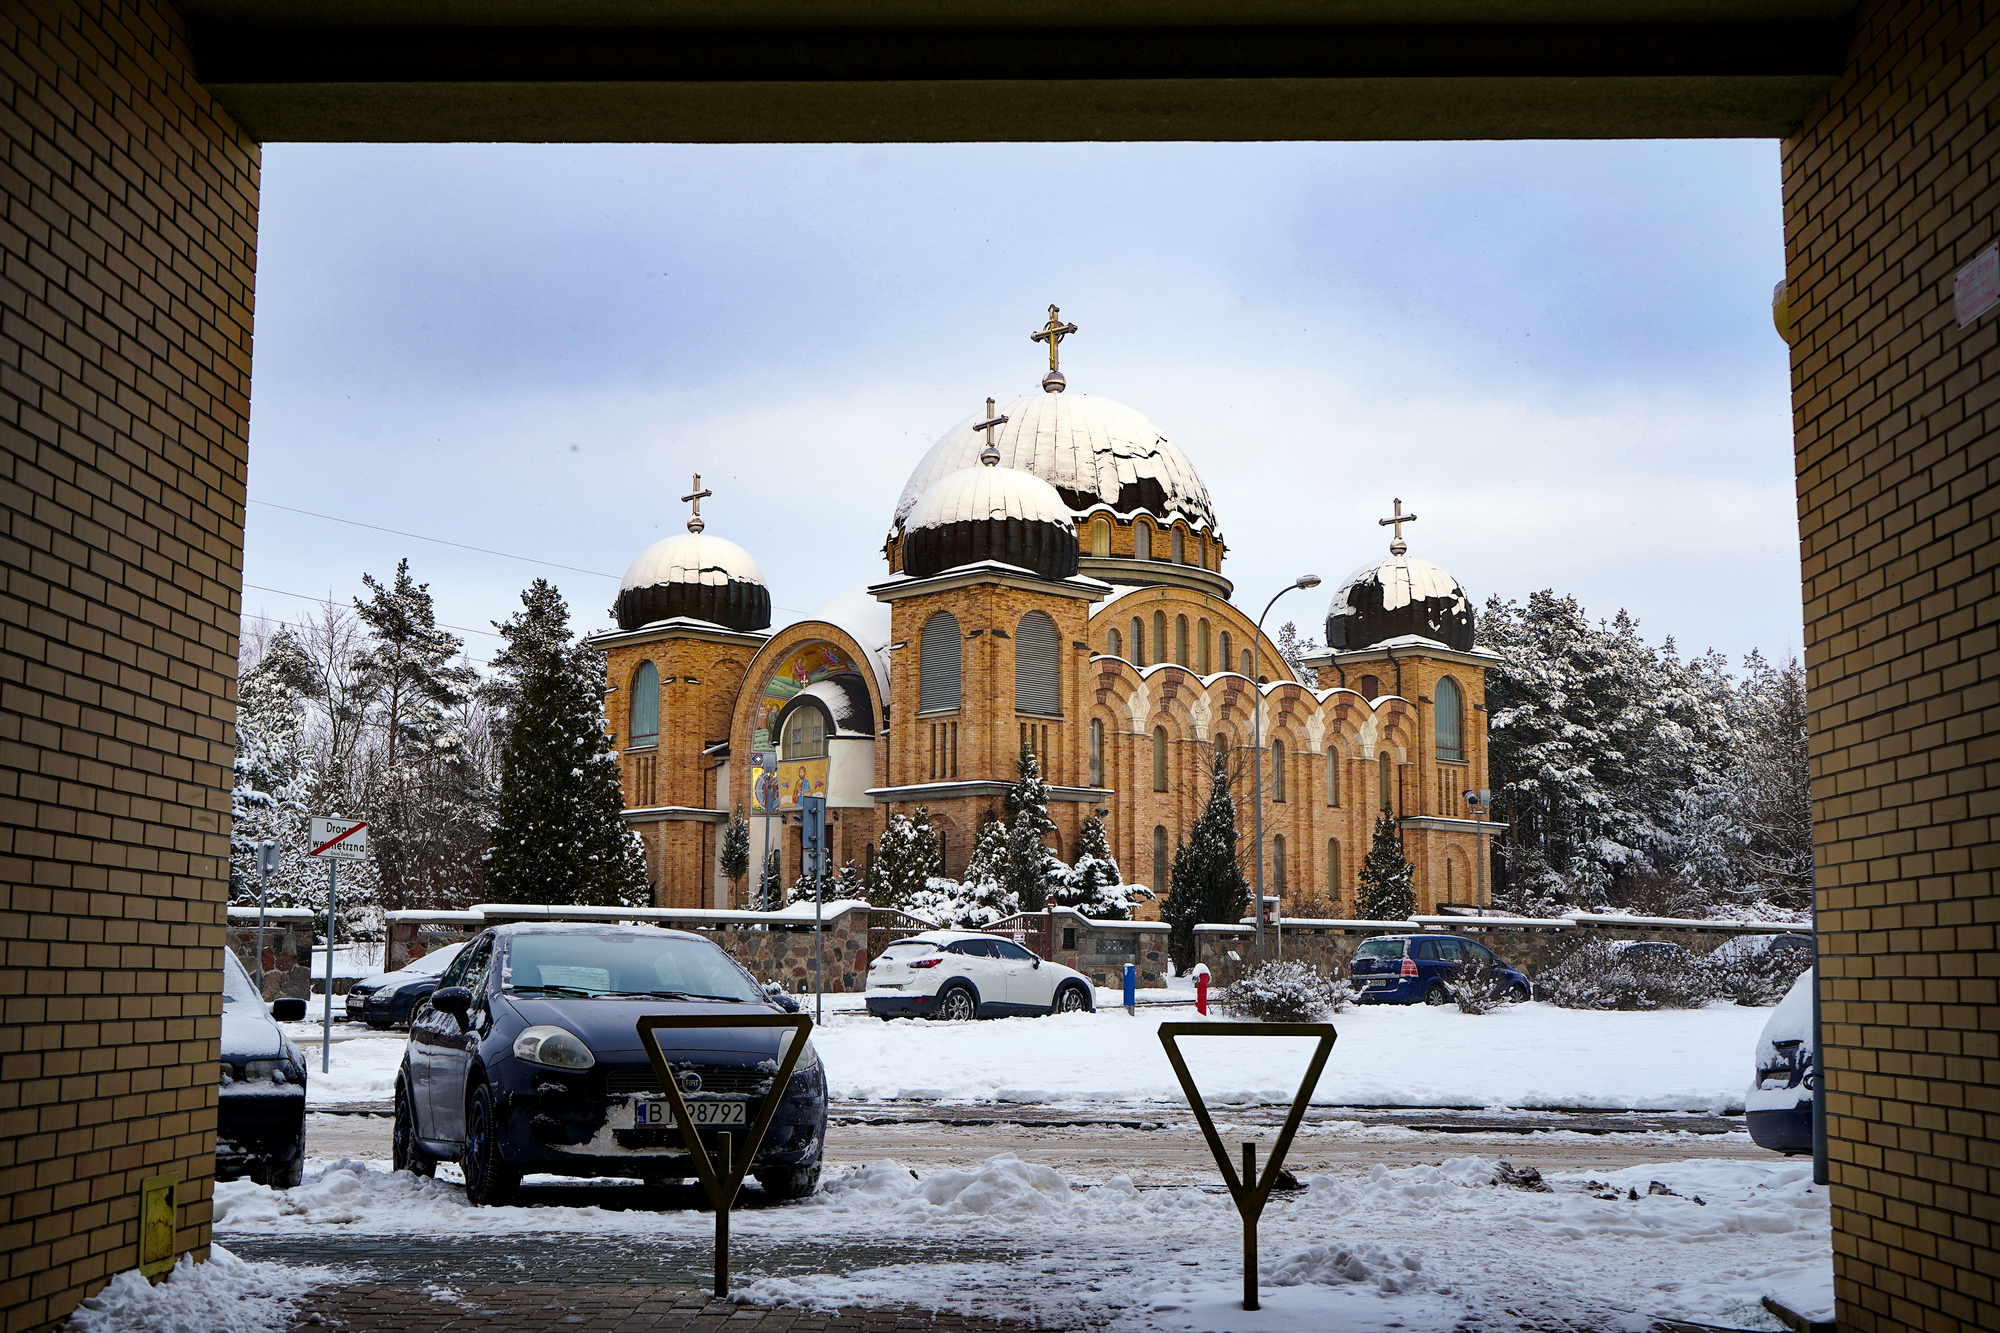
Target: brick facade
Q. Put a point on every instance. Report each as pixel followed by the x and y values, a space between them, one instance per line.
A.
pixel 1890 188
pixel 128 251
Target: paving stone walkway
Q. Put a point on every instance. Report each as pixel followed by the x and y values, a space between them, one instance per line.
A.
pixel 520 1308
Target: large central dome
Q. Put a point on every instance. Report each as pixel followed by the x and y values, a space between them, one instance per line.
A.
pixel 1093 451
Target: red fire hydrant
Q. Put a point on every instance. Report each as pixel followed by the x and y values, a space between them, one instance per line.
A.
pixel 1201 988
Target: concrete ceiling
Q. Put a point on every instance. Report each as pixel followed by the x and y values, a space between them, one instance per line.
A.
pixel 1013 70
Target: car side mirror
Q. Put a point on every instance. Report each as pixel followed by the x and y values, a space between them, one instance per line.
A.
pixel 289 1009
pixel 453 1000
pixel 1038 964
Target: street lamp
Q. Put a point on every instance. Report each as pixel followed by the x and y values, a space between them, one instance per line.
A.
pixel 1479 802
pixel 1257 754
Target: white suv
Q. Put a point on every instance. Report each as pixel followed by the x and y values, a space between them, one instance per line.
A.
pixel 960 974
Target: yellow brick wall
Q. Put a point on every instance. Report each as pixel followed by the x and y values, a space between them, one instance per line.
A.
pixel 126 268
pixel 1889 188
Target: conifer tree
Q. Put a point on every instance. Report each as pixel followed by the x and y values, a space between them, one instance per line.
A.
pixel 1095 886
pixel 1208 884
pixel 733 859
pixel 274 775
pixel 982 897
pixel 559 834
pixel 770 891
pixel 908 856
pixel 1386 892
pixel 1030 868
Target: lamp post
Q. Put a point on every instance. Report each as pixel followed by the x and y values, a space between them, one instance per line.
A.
pixel 1479 802
pixel 1257 750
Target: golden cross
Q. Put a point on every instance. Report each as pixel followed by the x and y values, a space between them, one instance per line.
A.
pixel 694 520
pixel 1397 547
pixel 1053 333
pixel 990 455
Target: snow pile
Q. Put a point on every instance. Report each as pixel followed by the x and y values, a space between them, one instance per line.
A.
pixel 363 1069
pixel 339 1192
pixel 224 1295
pixel 1329 1265
pixel 1003 1188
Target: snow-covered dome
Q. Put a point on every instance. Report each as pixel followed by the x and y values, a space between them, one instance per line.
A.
pixel 1399 597
pixel 698 576
pixel 990 513
pixel 1092 450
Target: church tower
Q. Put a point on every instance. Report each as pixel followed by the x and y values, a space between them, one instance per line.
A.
pixel 1402 628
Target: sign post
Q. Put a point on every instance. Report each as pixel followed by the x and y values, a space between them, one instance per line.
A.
pixel 334 840
pixel 812 849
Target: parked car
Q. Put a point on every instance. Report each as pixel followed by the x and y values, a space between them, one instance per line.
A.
pixel 527 1058
pixel 962 974
pixel 1658 951
pixel 1754 948
pixel 387 999
pixel 1778 1108
pixel 260 1118
pixel 1403 969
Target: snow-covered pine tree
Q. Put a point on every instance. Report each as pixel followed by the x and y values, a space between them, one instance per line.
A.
pixel 982 897
pixel 559 834
pixel 908 856
pixel 1294 649
pixel 1030 869
pixel 1386 879
pixel 770 888
pixel 274 777
pixel 851 883
pixel 1208 884
pixel 1095 885
pixel 734 857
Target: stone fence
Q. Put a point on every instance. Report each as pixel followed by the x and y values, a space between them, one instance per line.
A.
pixel 773 946
pixel 1531 944
pixel 288 945
pixel 1098 949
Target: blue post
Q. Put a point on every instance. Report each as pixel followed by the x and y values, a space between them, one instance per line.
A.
pixel 1131 986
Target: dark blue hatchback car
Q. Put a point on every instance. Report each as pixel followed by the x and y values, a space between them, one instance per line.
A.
pixel 1403 969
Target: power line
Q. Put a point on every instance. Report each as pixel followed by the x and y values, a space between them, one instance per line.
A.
pixel 418 536
pixel 463 629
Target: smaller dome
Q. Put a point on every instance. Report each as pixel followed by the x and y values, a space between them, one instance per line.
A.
pixel 990 513
pixel 1396 598
pixel 697 576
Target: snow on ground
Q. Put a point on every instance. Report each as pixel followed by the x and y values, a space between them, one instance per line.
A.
pixel 224 1295
pixel 1530 1055
pixel 1422 1247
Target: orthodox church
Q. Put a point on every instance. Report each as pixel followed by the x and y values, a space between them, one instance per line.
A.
pixel 1055 579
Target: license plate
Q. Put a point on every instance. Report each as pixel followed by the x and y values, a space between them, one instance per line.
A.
pixel 652 1111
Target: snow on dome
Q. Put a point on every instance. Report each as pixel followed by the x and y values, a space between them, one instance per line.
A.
pixel 976 493
pixel 698 576
pixel 990 514
pixel 1092 450
pixel 1395 597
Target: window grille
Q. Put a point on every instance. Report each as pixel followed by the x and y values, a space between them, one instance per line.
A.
pixel 938 664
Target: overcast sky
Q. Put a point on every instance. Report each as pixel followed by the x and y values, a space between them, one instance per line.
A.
pixel 1559 355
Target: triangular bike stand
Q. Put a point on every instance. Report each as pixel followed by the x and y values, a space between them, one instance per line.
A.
pixel 1250 1190
pixel 722 1182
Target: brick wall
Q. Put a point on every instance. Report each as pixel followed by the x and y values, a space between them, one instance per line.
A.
pixel 1889 188
pixel 126 265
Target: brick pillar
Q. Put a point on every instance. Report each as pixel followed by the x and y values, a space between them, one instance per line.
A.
pixel 1889 188
pixel 127 258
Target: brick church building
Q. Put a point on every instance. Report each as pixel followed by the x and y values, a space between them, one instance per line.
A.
pixel 1054 577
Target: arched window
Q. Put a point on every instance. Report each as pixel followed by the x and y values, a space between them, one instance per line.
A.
pixel 1114 643
pixel 1201 645
pixel 1370 687
pixel 1450 722
pixel 1181 640
pixel 1278 861
pixel 1385 781
pixel 1225 658
pixel 1179 547
pixel 1332 776
pixel 1142 538
pixel 1096 752
pixel 937 664
pixel 645 726
pixel 804 734
pixel 1037 679
pixel 1100 536
pixel 1159 758
pixel 1159 636
pixel 1248 669
pixel 1160 874
pixel 1277 770
pixel 1333 869
pixel 1138 642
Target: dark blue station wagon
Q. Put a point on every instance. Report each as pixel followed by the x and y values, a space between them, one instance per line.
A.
pixel 1403 969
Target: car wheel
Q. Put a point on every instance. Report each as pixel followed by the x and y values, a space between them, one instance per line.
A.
pixel 1072 1000
pixel 1437 994
pixel 957 1005
pixel 488 1178
pixel 795 1182
pixel 1517 994
pixel 405 1153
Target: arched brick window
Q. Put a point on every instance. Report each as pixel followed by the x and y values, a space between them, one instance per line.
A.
pixel 1159 758
pixel 938 664
pixel 645 724
pixel 1450 721
pixel 1037 674
pixel 1097 752
pixel 1277 770
pixel 1201 646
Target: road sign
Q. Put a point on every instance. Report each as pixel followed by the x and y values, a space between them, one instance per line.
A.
pixel 339 840
pixel 812 835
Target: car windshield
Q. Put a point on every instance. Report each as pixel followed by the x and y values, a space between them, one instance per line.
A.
pixel 587 963
pixel 1380 949
pixel 237 987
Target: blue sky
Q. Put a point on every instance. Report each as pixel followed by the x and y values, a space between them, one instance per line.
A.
pixel 1560 355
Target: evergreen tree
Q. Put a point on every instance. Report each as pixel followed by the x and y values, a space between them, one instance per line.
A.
pixel 274 777
pixel 1095 886
pixel 734 857
pixel 559 832
pixel 770 890
pixel 982 897
pixel 908 856
pixel 1030 869
pixel 1207 882
pixel 1294 650
pixel 1387 891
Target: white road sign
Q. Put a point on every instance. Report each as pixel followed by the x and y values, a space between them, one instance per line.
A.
pixel 339 839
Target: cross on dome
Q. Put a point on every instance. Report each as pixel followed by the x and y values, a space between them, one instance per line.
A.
pixel 990 455
pixel 1053 333
pixel 694 520
pixel 1398 546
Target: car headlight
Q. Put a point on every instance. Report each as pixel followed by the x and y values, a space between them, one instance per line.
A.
pixel 228 1073
pixel 808 1058
pixel 558 1048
